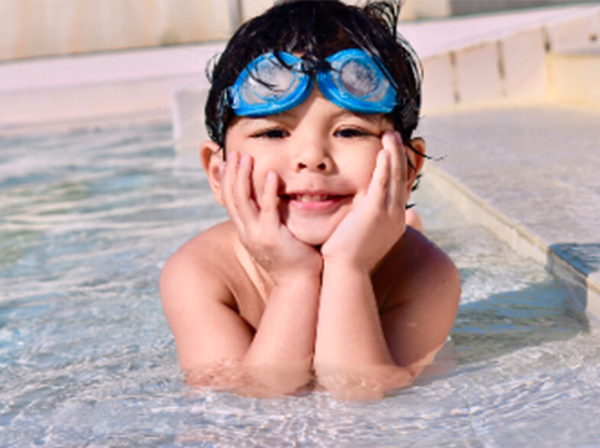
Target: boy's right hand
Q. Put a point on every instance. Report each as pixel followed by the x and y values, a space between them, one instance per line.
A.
pixel 258 223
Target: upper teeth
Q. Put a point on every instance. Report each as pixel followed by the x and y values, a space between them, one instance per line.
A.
pixel 310 197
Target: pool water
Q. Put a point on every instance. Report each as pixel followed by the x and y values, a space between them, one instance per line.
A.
pixel 87 220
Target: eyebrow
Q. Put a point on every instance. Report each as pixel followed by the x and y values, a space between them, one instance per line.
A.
pixel 373 118
pixel 289 114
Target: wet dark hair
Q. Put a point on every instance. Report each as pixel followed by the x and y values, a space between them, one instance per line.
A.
pixel 317 29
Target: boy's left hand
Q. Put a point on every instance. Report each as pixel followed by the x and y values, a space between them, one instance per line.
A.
pixel 377 221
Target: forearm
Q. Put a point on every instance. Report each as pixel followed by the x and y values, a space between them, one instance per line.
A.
pixel 287 329
pixel 282 349
pixel 351 351
pixel 349 330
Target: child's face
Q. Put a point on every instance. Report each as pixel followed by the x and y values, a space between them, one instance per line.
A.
pixel 323 155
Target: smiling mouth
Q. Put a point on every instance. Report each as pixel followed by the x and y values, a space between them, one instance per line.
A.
pixel 303 197
pixel 315 202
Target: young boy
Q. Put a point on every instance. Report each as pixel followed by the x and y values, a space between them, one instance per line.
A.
pixel 315 279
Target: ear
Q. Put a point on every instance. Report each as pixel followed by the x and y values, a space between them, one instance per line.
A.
pixel 416 160
pixel 211 156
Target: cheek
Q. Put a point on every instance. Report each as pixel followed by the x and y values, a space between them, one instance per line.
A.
pixel 368 170
pixel 360 168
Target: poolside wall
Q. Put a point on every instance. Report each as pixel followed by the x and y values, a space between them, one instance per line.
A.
pixel 548 60
pixel 34 28
pixel 461 7
pixel 526 59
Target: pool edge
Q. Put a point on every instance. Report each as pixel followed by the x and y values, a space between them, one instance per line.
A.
pixel 585 288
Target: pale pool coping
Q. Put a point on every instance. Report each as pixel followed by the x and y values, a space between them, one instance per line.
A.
pixel 457 33
pixel 586 288
pixel 190 60
pixel 526 208
pixel 148 79
pixel 107 68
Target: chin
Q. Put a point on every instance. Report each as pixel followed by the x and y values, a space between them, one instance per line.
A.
pixel 315 239
pixel 315 242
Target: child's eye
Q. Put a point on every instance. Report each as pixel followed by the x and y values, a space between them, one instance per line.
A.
pixel 352 133
pixel 272 134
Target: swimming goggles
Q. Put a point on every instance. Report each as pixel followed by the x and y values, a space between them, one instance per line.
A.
pixel 276 82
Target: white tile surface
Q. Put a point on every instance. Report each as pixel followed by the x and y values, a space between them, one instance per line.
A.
pixel 438 83
pixel 524 67
pixel 478 76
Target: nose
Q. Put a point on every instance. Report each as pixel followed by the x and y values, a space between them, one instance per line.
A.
pixel 313 156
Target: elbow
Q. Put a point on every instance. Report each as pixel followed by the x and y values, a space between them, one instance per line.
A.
pixel 364 383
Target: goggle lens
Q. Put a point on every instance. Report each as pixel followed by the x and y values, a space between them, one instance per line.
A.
pixel 269 86
pixel 358 79
pixel 269 79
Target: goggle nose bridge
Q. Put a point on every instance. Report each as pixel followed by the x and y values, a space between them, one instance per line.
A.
pixel 311 66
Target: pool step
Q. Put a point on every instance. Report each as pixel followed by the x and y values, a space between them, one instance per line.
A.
pixel 531 62
pixel 530 174
pixel 575 77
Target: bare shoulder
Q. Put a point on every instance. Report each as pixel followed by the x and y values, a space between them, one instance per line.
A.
pixel 198 293
pixel 201 247
pixel 414 269
pixel 424 256
pixel 418 289
pixel 200 264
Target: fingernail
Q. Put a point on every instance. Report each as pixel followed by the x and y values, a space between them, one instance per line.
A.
pixel 391 136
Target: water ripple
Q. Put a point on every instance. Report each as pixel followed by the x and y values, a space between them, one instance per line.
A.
pixel 87 219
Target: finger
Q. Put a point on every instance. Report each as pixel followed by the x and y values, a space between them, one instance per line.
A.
pixel 269 202
pixel 227 184
pixel 393 143
pixel 378 188
pixel 402 160
pixel 244 202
